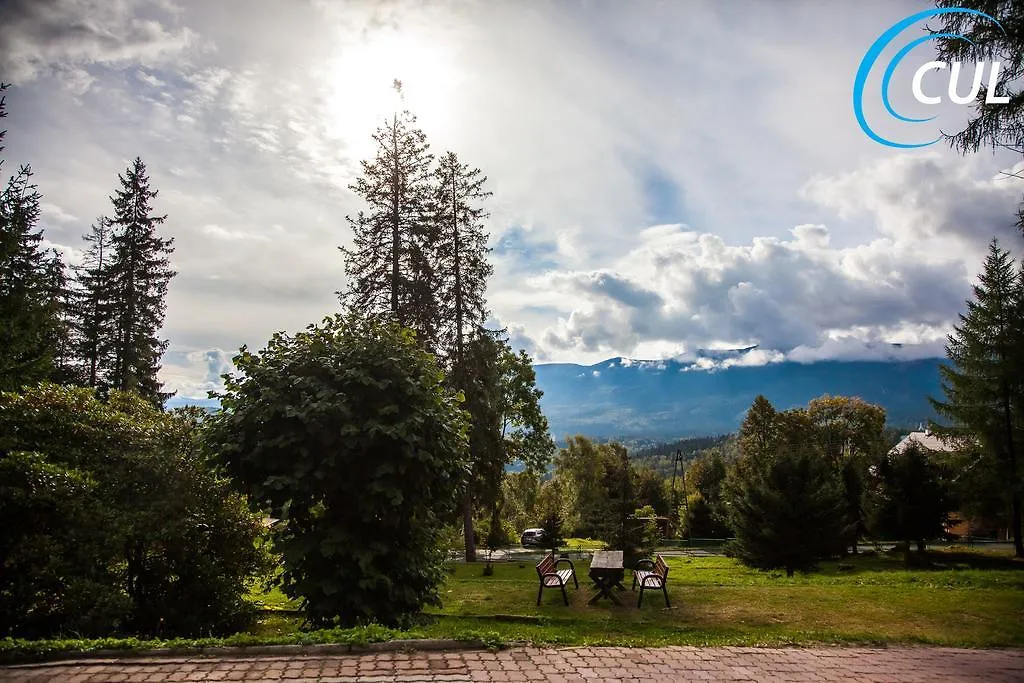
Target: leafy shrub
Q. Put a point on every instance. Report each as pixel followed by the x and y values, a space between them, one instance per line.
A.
pixel 124 524
pixel 346 434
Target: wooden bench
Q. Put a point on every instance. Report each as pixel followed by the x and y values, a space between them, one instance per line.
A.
pixel 651 574
pixel 552 577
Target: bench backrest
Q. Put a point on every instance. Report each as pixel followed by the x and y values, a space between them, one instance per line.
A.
pixel 660 568
pixel 547 565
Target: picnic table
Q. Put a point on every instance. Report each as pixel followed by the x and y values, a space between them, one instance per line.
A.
pixel 606 571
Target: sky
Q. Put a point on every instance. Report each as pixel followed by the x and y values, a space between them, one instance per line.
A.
pixel 666 176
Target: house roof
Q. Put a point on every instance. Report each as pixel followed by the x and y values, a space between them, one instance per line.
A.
pixel 925 439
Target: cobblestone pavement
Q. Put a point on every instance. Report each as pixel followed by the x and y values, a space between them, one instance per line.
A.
pixel 793 665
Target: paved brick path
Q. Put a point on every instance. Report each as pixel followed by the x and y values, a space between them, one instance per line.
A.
pixel 795 665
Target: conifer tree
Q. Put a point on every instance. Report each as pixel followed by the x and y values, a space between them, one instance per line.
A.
pixel 94 311
pixel 139 274
pixel 389 269
pixel 906 497
pixel 459 256
pixel 984 383
pixel 787 511
pixel 61 301
pixel 27 326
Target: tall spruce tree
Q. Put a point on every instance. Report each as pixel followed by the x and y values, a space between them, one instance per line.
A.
pixel 61 300
pixel 389 268
pixel 984 382
pixel 459 255
pixel 139 274
pixel 95 314
pixel 28 328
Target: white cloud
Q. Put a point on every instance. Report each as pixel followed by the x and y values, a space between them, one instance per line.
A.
pixel 662 197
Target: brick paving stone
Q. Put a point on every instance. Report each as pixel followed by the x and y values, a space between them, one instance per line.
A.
pixel 684 664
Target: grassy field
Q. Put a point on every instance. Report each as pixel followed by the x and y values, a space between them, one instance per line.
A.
pixel 969 599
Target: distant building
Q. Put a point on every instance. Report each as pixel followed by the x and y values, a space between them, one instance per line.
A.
pixel 958 526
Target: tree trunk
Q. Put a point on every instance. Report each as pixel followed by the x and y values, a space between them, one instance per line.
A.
pixel 921 545
pixel 467 524
pixel 396 237
pixel 1015 526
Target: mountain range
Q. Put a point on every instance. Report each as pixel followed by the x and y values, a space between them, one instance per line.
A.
pixel 625 398
pixel 630 399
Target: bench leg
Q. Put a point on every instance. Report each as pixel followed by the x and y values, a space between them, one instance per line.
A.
pixel 664 590
pixel 565 598
pixel 640 601
pixel 539 591
pixel 575 581
pixel 634 582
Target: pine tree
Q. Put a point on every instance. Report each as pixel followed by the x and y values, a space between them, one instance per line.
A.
pixel 139 274
pixel 94 309
pixel 28 331
pixel 984 385
pixel 61 302
pixel 906 497
pixel 459 256
pixel 787 511
pixel 389 269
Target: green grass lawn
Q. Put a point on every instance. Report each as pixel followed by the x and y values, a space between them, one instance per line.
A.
pixel 966 598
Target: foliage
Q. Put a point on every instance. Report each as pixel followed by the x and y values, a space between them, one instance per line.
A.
pixel 659 456
pixel 507 424
pixel 850 433
pixel 703 519
pixel 907 497
pixel 149 539
pixel 648 530
pixel 29 330
pixel 345 432
pixel 459 255
pixel 705 510
pixel 388 268
pixel 787 512
pixel 554 535
pixel 520 492
pixel 992 126
pixel 786 503
pixel 96 307
pixel 138 275
pixel 984 382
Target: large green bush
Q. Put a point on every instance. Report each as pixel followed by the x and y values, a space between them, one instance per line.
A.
pixel 346 434
pixel 787 511
pixel 122 524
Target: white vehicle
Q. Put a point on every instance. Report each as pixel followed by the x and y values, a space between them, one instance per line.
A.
pixel 533 537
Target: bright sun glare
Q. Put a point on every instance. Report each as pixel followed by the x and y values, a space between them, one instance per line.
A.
pixel 361 88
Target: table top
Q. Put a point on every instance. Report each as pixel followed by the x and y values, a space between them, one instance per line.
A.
pixel 607 559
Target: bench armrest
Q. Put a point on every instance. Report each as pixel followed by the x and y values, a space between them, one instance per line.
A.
pixel 658 582
pixel 566 559
pixel 650 564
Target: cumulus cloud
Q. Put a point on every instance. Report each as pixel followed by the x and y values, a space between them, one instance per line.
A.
pixel 779 294
pixel 253 130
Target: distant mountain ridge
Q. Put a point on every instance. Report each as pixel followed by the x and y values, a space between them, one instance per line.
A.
pixel 656 400
pixel 627 398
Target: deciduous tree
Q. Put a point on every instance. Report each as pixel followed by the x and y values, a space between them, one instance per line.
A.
pixel 347 434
